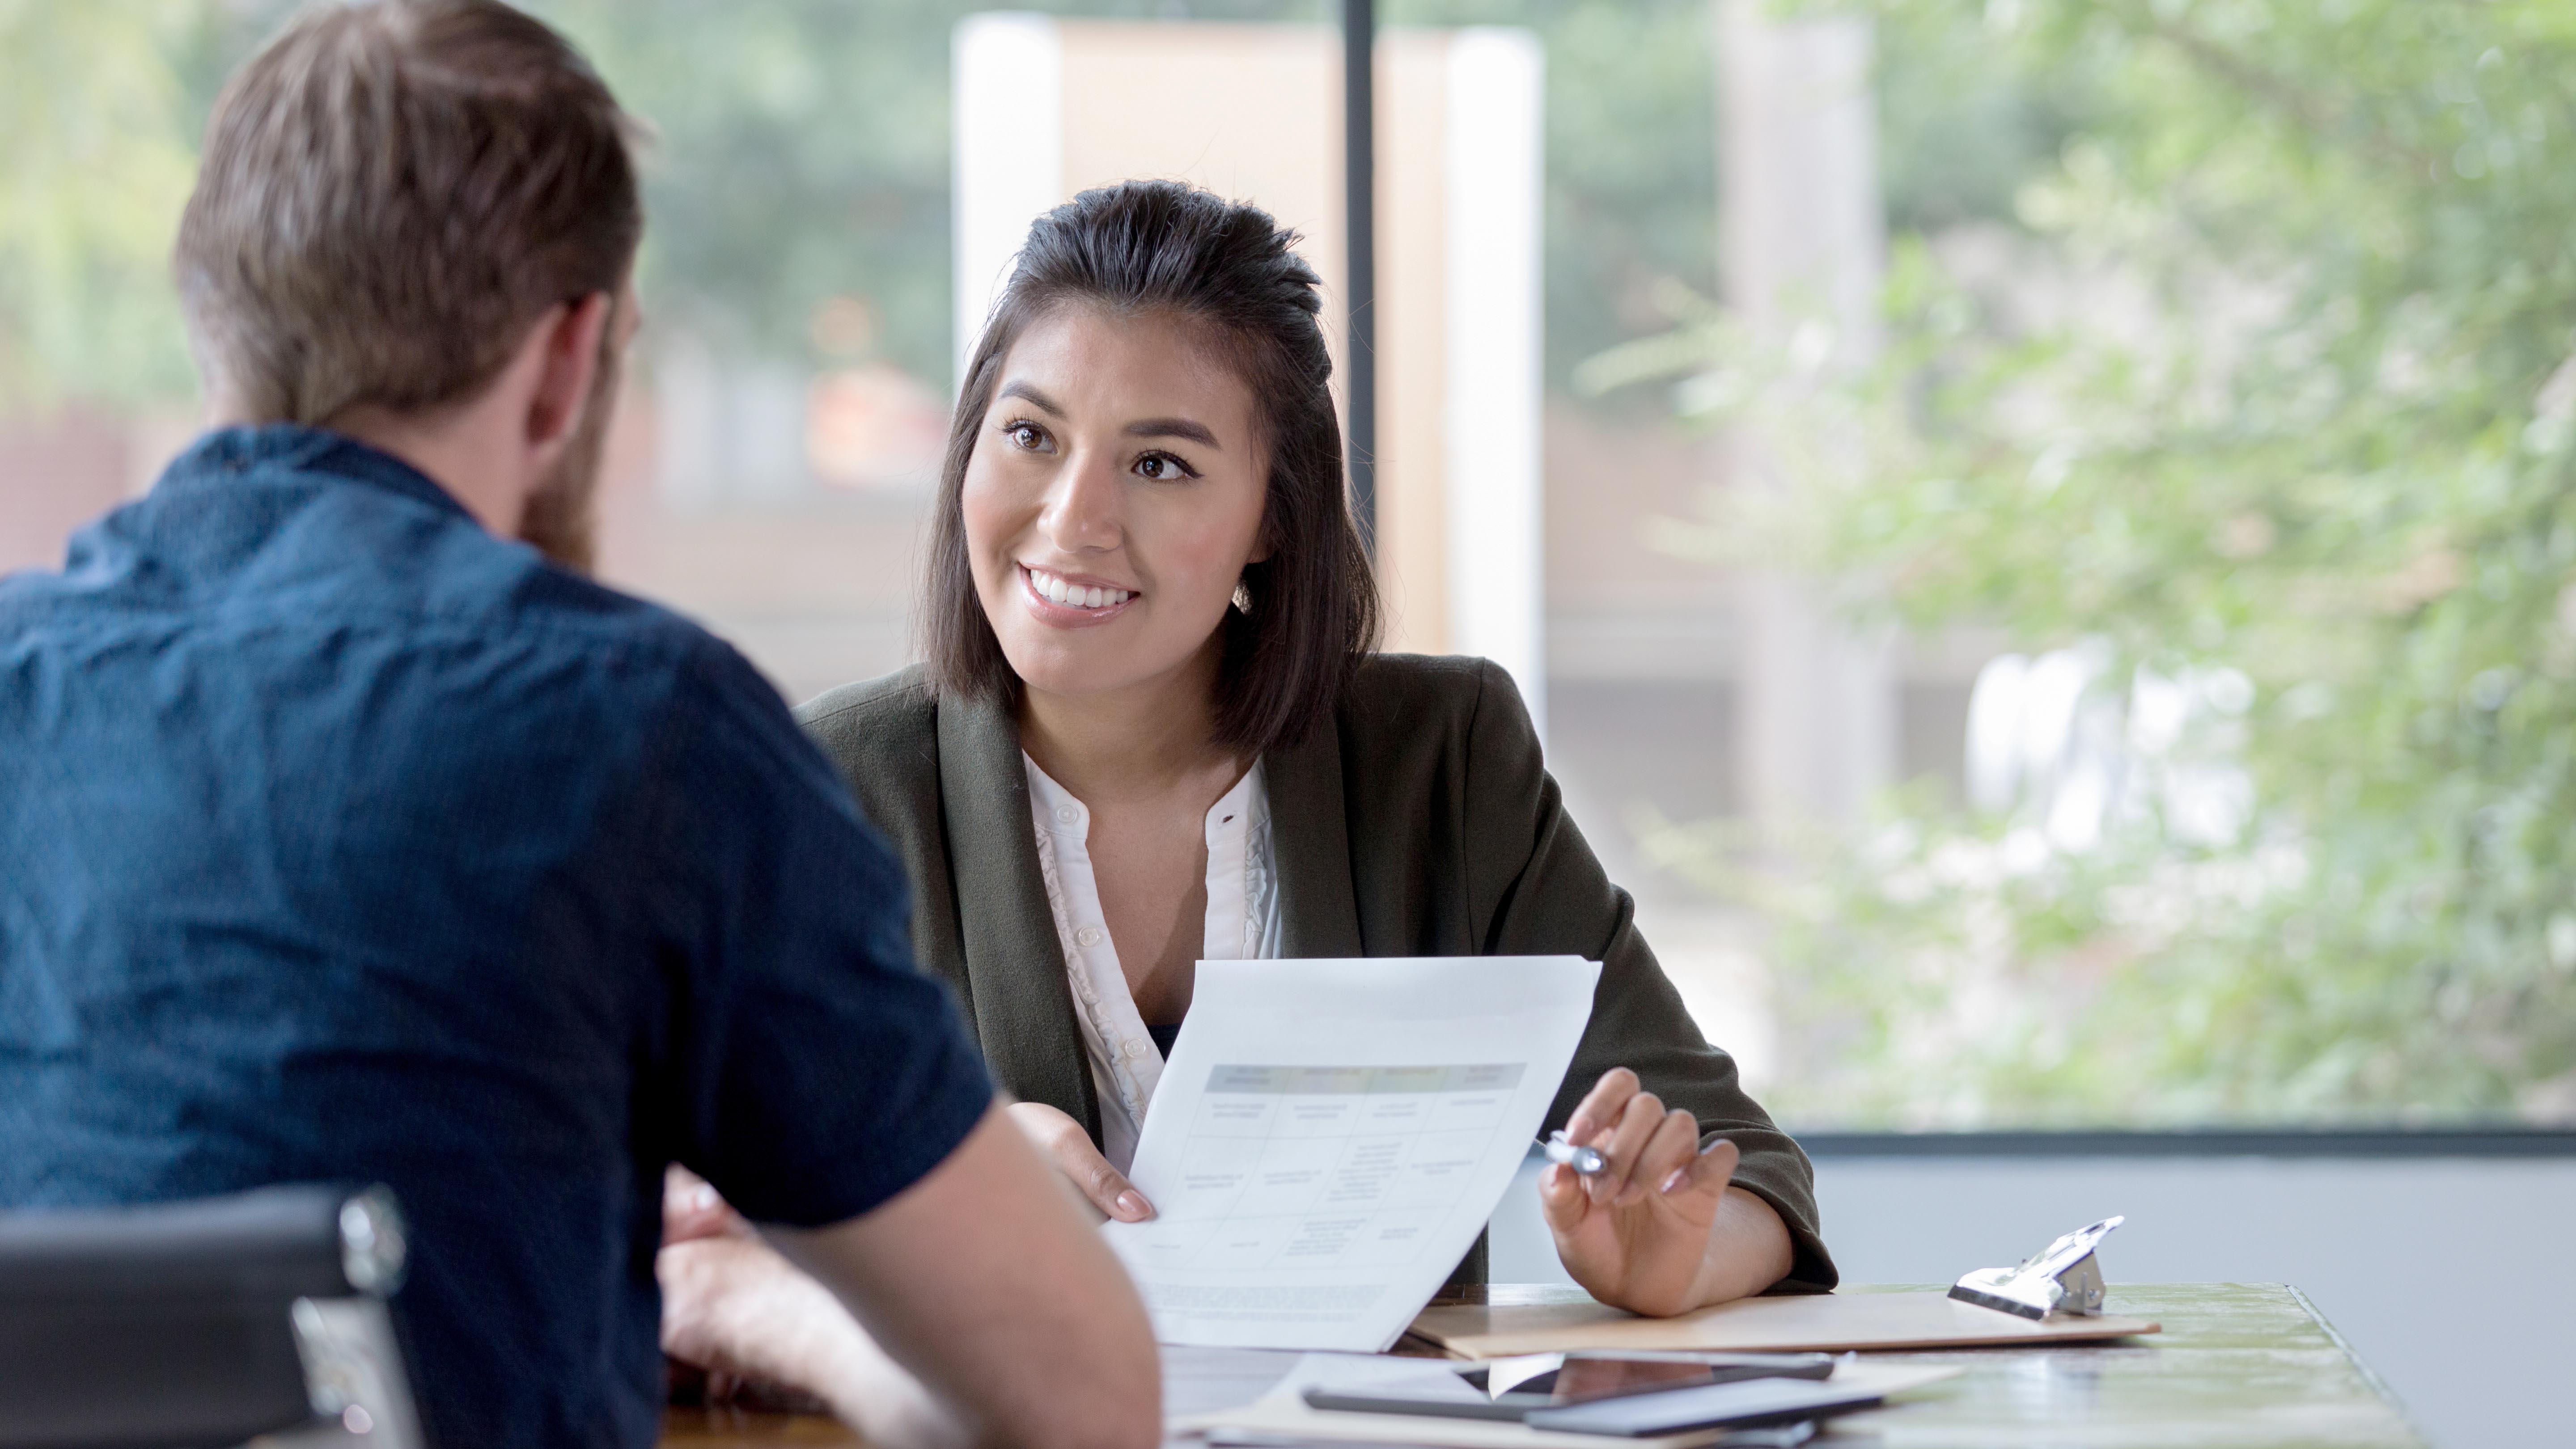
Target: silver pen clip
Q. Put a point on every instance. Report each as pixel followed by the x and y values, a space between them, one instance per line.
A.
pixel 1584 1160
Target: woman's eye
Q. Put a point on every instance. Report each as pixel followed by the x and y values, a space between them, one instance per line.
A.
pixel 1163 468
pixel 1025 435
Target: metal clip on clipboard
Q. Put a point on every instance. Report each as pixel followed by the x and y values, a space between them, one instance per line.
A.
pixel 2064 1276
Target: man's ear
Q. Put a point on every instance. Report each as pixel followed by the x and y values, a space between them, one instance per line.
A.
pixel 568 340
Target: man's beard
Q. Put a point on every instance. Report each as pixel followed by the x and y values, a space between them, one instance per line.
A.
pixel 562 517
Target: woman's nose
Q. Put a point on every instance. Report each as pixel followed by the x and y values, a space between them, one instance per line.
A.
pixel 1082 507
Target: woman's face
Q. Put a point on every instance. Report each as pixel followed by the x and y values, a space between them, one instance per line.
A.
pixel 1114 495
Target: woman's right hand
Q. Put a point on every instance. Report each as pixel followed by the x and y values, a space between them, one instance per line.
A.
pixel 1061 1141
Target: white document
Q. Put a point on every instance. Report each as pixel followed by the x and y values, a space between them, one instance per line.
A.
pixel 1330 1136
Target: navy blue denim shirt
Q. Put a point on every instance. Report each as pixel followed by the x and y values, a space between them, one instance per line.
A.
pixel 341 840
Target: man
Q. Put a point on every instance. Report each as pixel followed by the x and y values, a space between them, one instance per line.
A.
pixel 344 835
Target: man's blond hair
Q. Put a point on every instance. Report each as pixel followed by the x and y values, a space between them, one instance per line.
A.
pixel 392 193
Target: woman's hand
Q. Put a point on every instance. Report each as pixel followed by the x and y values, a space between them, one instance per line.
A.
pixel 1658 1231
pixel 1061 1141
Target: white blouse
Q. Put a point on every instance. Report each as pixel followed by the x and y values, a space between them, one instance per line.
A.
pixel 1242 925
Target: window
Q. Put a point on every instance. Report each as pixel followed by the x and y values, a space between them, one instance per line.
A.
pixel 2044 560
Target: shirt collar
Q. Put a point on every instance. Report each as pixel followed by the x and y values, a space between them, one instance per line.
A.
pixel 229 452
pixel 1054 810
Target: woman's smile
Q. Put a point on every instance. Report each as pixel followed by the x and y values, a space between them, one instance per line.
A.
pixel 1071 601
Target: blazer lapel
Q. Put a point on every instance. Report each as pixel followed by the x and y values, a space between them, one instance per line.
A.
pixel 1014 964
pixel 1310 839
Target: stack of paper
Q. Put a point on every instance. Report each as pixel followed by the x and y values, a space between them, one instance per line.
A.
pixel 1329 1137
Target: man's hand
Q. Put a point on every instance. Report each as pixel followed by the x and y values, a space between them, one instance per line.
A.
pixel 1658 1231
pixel 1061 1141
pixel 733 1307
pixel 984 1281
pixel 692 1208
pixel 974 1306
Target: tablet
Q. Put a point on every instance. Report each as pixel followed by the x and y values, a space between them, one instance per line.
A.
pixel 1579 1378
pixel 1753 1401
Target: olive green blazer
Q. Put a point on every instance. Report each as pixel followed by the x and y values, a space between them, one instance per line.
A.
pixel 1418 821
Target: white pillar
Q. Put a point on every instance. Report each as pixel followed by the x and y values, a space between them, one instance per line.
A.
pixel 1007 162
pixel 1490 417
pixel 1802 241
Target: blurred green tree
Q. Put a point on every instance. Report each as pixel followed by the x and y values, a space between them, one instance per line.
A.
pixel 2266 408
pixel 800 155
pixel 96 158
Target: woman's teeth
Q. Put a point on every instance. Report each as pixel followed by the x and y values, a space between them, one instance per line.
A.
pixel 1074 596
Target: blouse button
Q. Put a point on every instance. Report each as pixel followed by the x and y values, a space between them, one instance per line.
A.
pixel 1087 937
pixel 1066 814
pixel 1135 1050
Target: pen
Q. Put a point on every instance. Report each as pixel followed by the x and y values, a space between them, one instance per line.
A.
pixel 1584 1160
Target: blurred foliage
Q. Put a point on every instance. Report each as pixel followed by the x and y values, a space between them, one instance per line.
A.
pixel 1961 125
pixel 801 155
pixel 804 152
pixel 95 162
pixel 2227 339
pixel 2271 384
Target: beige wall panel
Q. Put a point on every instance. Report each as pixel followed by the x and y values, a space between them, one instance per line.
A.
pixel 1412 339
pixel 1253 112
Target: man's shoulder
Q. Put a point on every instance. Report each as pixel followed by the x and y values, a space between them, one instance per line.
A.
pixel 562 610
pixel 553 641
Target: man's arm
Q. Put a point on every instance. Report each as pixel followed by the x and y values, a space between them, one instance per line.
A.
pixel 1010 1320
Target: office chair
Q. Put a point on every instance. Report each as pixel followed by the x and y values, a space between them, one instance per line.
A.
pixel 197 1325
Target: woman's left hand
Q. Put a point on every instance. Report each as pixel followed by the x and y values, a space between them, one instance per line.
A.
pixel 1658 1231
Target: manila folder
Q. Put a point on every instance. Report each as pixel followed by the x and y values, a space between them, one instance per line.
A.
pixel 1524 1321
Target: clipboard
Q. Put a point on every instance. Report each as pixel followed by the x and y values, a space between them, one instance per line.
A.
pixel 1552 1322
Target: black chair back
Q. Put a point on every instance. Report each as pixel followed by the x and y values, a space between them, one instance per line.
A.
pixel 204 1323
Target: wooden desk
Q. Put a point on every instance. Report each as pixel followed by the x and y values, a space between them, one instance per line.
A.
pixel 738 1429
pixel 2238 1366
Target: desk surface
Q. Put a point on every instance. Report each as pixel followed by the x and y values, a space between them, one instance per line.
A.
pixel 2238 1366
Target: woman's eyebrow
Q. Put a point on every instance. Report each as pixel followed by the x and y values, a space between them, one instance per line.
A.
pixel 1174 428
pixel 1043 403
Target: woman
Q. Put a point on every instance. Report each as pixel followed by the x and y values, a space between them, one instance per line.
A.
pixel 1150 731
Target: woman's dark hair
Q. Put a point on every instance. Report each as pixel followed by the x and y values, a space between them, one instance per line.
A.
pixel 1144 248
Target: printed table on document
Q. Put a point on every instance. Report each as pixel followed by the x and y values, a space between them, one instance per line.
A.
pixel 1327 1167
